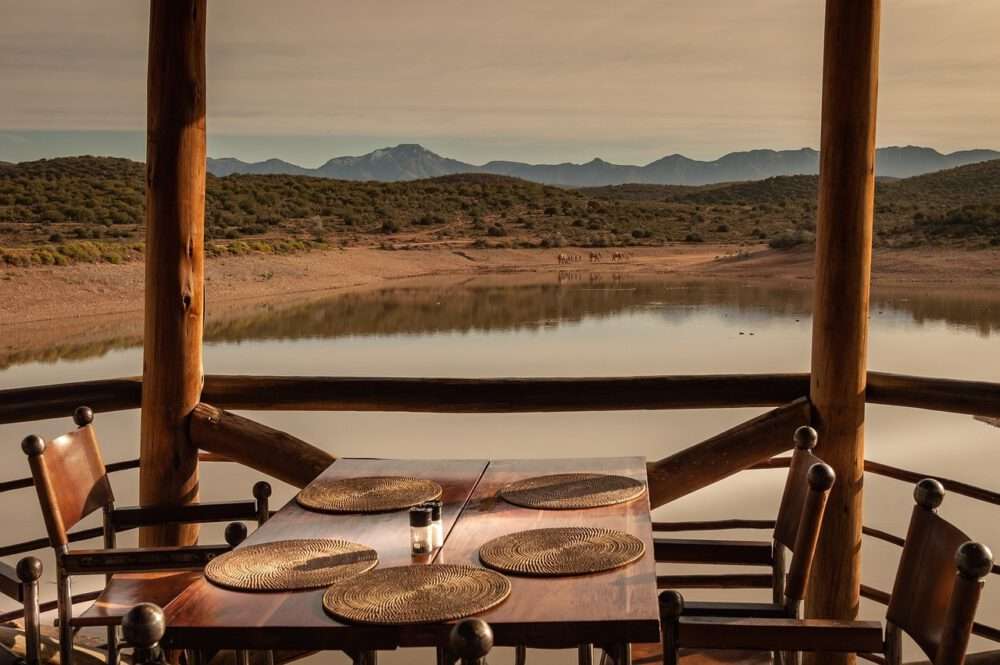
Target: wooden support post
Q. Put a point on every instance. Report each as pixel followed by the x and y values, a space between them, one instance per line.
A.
pixel 175 223
pixel 840 312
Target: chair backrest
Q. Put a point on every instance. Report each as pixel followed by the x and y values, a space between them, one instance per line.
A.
pixel 938 581
pixel 786 528
pixel 69 476
pixel 800 515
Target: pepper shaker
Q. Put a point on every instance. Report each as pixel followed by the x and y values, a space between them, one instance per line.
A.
pixel 421 530
pixel 437 527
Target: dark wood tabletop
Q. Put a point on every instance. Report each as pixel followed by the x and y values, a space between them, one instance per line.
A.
pixel 606 608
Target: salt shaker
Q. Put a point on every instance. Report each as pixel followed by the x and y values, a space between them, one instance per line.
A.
pixel 437 527
pixel 421 530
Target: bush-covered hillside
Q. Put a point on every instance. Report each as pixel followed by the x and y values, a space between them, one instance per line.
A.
pixel 92 209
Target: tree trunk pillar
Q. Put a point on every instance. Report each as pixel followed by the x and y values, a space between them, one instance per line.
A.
pixel 175 221
pixel 840 312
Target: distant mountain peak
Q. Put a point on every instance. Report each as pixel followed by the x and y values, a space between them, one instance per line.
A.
pixel 411 161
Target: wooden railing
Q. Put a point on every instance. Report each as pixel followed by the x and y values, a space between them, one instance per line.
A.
pixel 500 395
pixel 751 445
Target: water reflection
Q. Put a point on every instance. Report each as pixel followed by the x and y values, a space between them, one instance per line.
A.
pixel 577 326
pixel 473 305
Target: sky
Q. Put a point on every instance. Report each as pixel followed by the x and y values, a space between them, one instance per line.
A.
pixel 530 80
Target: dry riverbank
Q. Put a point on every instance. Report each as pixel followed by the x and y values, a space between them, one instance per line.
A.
pixel 43 307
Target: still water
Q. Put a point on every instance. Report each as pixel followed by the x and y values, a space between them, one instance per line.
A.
pixel 565 326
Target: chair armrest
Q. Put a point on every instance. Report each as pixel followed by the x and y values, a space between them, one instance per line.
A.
pixel 738 552
pixel 137 560
pixel 780 634
pixel 726 609
pixel 716 581
pixel 130 517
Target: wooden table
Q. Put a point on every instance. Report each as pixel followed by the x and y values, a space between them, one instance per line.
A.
pixel 607 609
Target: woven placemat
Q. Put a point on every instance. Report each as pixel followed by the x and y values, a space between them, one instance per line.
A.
pixel 561 551
pixel 290 565
pixel 416 594
pixel 375 494
pixel 568 491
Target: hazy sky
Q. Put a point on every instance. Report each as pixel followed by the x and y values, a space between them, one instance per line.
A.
pixel 538 80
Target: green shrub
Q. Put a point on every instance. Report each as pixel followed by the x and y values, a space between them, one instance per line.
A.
pixel 790 239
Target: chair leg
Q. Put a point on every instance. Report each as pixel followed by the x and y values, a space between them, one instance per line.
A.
pixel 365 658
pixel 585 654
pixel 520 654
pixel 65 601
pixel 29 569
pixel 893 644
pixel 623 654
pixel 112 645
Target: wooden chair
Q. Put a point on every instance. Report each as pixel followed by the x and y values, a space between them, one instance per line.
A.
pixel 72 483
pixel 796 529
pixel 930 602
pixel 21 584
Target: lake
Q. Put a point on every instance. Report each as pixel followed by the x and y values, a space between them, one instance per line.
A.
pixel 571 324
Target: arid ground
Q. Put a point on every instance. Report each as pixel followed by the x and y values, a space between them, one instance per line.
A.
pixel 41 306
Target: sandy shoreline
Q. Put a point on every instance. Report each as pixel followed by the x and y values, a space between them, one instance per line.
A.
pixel 46 306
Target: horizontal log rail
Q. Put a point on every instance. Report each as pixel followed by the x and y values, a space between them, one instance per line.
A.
pixel 446 395
pixel 715 581
pixel 82 534
pixel 58 400
pixel 50 605
pixel 977 398
pixel 713 525
pixel 500 395
pixel 956 486
pixel 20 483
pixel 124 465
pixel 879 469
pixel 882 598
pixel 10 584
pixel 884 536
pixel 39 543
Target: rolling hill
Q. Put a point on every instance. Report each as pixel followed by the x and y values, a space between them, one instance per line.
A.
pixel 413 162
pixel 92 209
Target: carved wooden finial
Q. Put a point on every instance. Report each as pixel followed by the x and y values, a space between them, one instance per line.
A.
pixel 29 569
pixel 144 625
pixel 671 604
pixel 33 445
pixel 928 493
pixel 236 533
pixel 83 416
pixel 471 640
pixel 821 477
pixel 805 438
pixel 261 489
pixel 974 560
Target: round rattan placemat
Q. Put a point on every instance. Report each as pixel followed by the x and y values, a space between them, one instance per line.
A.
pixel 416 594
pixel 568 491
pixel 290 565
pixel 375 494
pixel 561 551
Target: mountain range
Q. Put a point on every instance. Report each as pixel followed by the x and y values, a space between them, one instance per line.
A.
pixel 412 162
